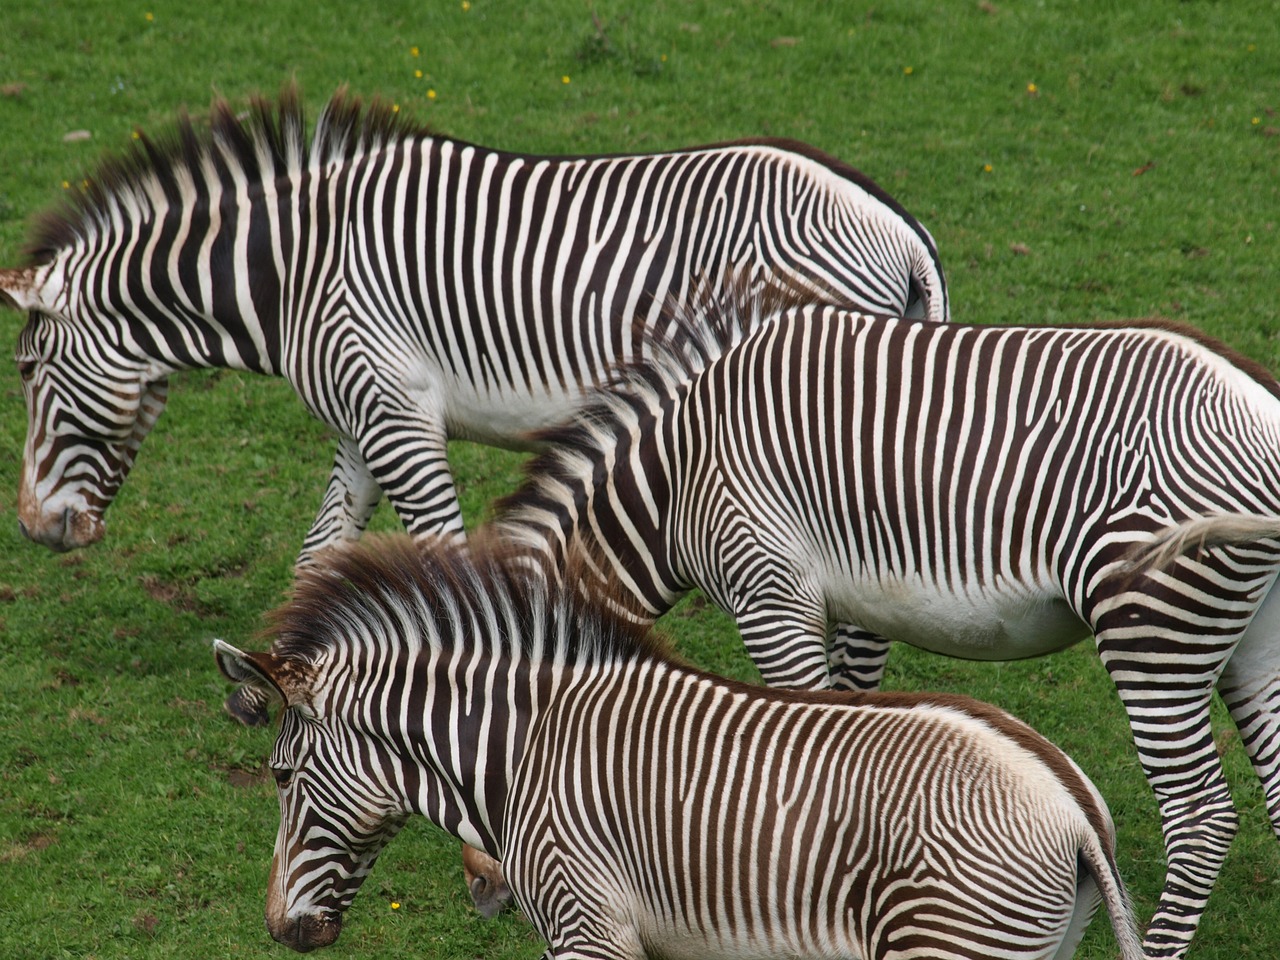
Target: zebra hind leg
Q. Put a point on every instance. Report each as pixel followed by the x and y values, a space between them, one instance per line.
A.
pixel 857 658
pixel 1168 708
pixel 1250 688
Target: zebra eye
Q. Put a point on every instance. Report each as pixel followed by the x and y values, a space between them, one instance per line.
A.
pixel 26 369
pixel 283 775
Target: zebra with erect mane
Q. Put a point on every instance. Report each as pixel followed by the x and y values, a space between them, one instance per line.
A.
pixel 410 288
pixel 643 808
pixel 976 491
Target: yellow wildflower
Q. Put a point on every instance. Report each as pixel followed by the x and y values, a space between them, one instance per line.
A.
pixel 431 94
pixel 565 78
pixel 413 51
pixel 394 905
pixel 150 17
pixel 418 74
pixel 466 5
pixel 908 70
pixel 1031 88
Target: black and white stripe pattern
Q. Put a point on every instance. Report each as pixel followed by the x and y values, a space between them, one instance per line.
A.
pixel 644 809
pixel 975 491
pixel 410 287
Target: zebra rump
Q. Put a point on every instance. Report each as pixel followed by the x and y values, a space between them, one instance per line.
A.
pixel 642 808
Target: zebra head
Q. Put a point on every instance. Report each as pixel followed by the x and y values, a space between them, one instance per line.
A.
pixel 90 403
pixel 329 838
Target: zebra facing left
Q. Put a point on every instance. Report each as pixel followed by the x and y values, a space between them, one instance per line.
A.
pixel 642 808
pixel 410 287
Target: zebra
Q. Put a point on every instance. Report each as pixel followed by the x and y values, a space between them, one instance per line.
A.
pixel 972 490
pixel 643 808
pixel 410 287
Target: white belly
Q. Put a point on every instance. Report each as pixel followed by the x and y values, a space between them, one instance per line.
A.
pixel 503 421
pixel 1003 621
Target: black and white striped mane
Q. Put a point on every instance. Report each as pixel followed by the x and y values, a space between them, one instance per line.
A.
pixel 379 590
pixel 261 144
pixel 693 337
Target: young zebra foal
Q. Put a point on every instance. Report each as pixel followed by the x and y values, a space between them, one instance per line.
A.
pixel 642 808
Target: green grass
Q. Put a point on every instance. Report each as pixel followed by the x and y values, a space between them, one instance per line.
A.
pixel 1140 176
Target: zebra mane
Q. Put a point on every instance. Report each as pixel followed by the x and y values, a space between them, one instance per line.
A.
pixel 692 336
pixel 387 588
pixel 266 141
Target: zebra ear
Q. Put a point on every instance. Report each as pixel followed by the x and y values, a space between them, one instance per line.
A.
pixel 266 671
pixel 17 289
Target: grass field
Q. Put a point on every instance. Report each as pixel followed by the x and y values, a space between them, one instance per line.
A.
pixel 1074 161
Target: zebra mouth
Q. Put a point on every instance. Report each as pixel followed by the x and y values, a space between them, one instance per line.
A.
pixel 68 530
pixel 309 932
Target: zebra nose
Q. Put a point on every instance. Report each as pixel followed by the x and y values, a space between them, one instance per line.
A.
pixel 309 931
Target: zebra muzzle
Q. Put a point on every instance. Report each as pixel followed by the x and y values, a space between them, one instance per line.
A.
pixel 308 932
pixel 60 531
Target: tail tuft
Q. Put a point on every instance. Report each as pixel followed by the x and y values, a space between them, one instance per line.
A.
pixel 1202 533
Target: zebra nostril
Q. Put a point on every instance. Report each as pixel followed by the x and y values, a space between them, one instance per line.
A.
pixel 22 528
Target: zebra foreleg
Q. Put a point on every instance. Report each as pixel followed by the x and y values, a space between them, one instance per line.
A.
pixel 407 456
pixel 857 658
pixel 589 941
pixel 349 502
pixel 787 643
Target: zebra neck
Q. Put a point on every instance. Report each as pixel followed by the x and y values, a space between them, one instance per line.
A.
pixel 462 751
pixel 202 277
pixel 593 505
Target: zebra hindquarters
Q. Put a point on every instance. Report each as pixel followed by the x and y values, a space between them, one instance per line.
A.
pixel 1165 639
pixel 683 818
pixel 1088 899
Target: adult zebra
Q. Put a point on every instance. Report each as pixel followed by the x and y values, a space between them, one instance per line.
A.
pixel 971 490
pixel 410 287
pixel 645 809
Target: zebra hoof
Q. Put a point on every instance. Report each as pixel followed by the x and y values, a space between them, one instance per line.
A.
pixel 248 707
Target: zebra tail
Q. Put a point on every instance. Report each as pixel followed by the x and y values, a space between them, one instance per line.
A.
pixel 1197 535
pixel 1102 866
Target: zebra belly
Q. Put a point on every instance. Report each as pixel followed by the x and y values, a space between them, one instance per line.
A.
pixel 1004 621
pixel 684 945
pixel 503 420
